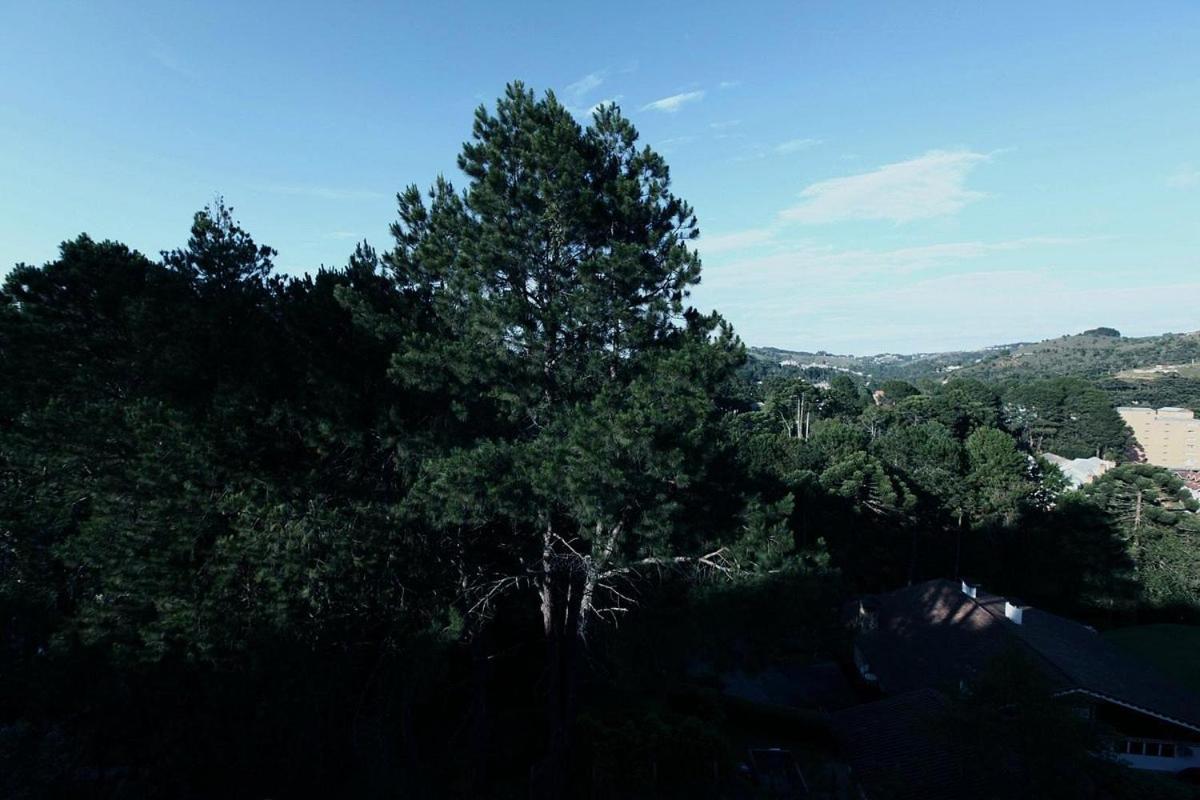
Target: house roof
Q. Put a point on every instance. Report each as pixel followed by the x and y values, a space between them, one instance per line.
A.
pixel 823 686
pixel 894 749
pixel 935 635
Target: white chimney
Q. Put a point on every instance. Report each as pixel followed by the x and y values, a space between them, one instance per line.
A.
pixel 1012 611
pixel 969 589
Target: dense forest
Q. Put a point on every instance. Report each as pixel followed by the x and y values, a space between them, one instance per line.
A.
pixel 487 512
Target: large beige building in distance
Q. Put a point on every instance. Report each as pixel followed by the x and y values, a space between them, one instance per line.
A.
pixel 1170 437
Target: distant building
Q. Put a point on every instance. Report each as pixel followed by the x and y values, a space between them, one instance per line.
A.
pixel 1169 437
pixel 1080 471
pixel 1157 369
pixel 943 634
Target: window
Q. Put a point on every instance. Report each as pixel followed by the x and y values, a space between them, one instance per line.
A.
pixel 1141 747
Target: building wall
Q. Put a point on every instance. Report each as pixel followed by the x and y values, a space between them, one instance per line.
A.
pixel 1170 437
pixel 1145 742
pixel 1184 755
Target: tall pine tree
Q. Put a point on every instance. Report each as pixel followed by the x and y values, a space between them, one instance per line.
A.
pixel 579 392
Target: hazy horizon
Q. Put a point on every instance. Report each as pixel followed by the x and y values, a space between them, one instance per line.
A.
pixel 980 345
pixel 868 179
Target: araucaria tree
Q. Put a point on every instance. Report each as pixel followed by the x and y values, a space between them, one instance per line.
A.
pixel 580 394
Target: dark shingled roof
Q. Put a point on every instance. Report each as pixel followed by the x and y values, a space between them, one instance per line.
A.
pixel 894 750
pixel 934 635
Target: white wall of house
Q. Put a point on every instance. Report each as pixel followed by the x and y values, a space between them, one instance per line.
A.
pixel 1185 755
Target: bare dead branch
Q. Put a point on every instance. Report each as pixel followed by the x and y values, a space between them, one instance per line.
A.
pixel 715 560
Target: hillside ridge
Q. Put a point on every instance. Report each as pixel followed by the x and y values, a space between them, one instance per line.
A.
pixel 1098 352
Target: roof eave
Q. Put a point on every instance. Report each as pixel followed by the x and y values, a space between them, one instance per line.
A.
pixel 1133 706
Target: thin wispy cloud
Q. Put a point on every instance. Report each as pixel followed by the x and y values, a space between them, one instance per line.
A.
pixel 757 150
pixel 1185 177
pixel 728 84
pixel 737 240
pixel 612 101
pixel 812 295
pixel 585 113
pixel 674 141
pixel 580 88
pixel 672 104
pixel 575 95
pixel 167 58
pixel 784 263
pixel 320 192
pixel 752 151
pixel 796 145
pixel 931 185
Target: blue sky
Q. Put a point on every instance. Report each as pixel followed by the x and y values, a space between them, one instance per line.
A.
pixel 868 176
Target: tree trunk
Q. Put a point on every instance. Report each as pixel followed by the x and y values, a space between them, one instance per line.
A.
pixel 1137 525
pixel 564 579
pixel 413 774
pixel 480 728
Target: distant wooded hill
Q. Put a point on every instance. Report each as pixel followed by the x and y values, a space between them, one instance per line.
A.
pixel 1097 353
